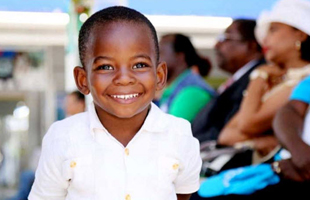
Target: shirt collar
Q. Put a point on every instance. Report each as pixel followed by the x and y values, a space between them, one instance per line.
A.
pixel 152 122
pixel 240 72
pixel 155 120
pixel 94 120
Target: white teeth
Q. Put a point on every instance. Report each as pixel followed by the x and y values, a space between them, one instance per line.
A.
pixel 127 96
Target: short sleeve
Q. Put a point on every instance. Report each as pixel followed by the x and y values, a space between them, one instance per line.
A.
pixel 49 183
pixel 302 91
pixel 187 181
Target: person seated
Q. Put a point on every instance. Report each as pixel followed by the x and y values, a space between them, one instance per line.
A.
pixel 237 53
pixel 272 84
pixel 203 67
pixel 291 127
pixel 182 83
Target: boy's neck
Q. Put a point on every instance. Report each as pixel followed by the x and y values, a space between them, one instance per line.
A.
pixel 124 129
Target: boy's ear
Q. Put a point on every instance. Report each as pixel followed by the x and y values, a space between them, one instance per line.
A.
pixel 80 77
pixel 162 73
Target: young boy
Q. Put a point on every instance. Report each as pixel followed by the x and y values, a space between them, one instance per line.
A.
pixel 124 147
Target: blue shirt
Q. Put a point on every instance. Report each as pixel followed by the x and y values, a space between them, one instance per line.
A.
pixel 302 91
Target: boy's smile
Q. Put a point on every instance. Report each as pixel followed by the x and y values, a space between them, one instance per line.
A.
pixel 121 69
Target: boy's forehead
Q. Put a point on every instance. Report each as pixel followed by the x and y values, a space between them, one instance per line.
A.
pixel 121 34
pixel 120 25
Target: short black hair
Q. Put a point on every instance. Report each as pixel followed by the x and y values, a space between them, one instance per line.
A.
pixel 246 29
pixel 112 14
pixel 183 44
pixel 78 95
pixel 204 65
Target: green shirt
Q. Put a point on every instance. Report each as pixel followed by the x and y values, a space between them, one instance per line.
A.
pixel 188 102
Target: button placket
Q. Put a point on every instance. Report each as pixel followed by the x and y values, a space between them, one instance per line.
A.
pixel 175 166
pixel 72 164
pixel 126 151
pixel 127 197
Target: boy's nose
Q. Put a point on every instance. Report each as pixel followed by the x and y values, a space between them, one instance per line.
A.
pixel 124 76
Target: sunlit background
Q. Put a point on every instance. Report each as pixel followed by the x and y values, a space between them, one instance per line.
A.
pixel 38 51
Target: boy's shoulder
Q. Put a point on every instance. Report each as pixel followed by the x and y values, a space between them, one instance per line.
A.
pixel 62 129
pixel 80 119
pixel 170 122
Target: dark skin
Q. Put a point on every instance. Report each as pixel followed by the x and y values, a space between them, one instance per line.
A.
pixel 234 53
pixel 122 76
pixel 175 60
pixel 288 125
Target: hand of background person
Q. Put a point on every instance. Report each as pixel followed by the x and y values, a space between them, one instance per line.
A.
pixel 275 73
pixel 302 161
pixel 289 171
pixel 265 144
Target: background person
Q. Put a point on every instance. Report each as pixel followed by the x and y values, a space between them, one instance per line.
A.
pixel 272 84
pixel 238 53
pixel 182 83
pixel 74 103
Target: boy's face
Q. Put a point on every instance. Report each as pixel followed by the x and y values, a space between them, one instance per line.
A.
pixel 121 69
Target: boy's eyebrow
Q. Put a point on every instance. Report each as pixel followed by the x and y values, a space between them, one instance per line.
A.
pixel 145 56
pixel 142 56
pixel 102 57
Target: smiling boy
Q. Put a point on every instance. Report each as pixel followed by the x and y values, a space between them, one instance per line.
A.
pixel 124 147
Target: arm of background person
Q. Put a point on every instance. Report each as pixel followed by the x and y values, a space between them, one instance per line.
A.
pixel 251 121
pixel 255 115
pixel 289 121
pixel 183 196
pixel 288 125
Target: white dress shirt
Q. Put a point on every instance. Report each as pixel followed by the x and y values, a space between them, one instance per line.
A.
pixel 236 76
pixel 81 160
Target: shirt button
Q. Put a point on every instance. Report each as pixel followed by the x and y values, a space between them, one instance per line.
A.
pixel 175 166
pixel 127 197
pixel 126 151
pixel 72 164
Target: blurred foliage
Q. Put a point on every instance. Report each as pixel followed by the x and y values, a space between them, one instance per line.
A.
pixel 215 82
pixel 83 6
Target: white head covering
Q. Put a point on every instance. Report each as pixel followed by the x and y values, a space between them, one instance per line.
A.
pixel 295 13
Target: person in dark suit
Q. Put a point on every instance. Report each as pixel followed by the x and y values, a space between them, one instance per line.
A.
pixel 237 53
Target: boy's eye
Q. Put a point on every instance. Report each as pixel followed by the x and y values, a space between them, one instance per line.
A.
pixel 139 65
pixel 105 67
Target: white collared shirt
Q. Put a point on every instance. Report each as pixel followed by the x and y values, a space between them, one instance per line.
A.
pixel 240 72
pixel 81 160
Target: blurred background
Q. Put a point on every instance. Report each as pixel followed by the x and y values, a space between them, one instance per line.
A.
pixel 38 51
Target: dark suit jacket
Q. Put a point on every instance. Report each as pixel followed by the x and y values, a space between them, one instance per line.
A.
pixel 212 118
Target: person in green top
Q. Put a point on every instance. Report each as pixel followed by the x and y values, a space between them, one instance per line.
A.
pixel 186 92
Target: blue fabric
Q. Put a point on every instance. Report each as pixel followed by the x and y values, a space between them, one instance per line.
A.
pixel 242 181
pixel 26 181
pixel 302 91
